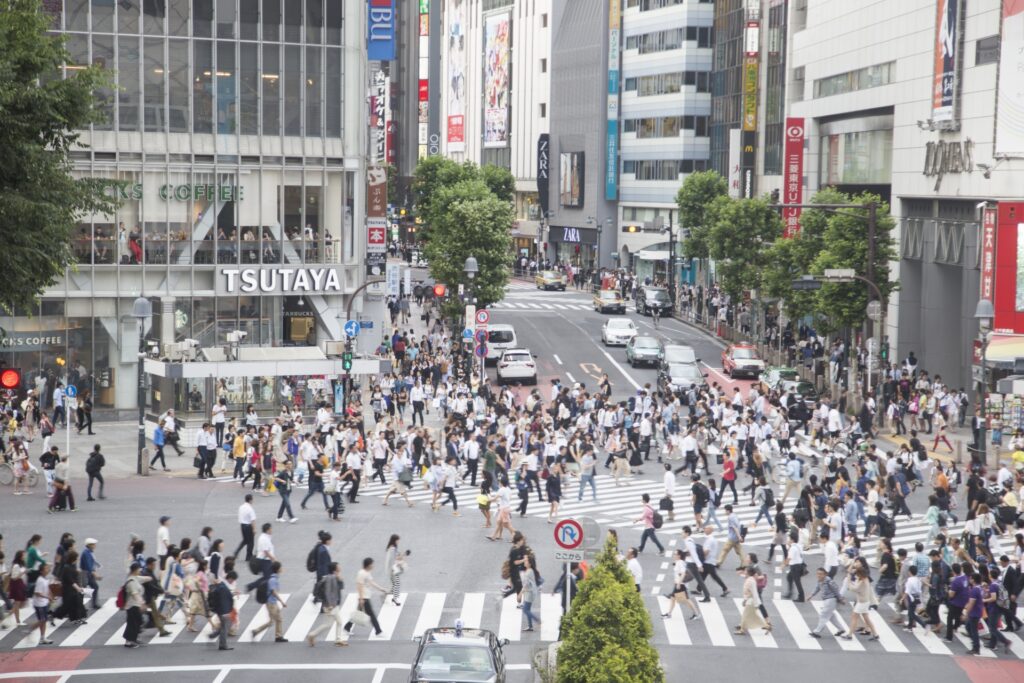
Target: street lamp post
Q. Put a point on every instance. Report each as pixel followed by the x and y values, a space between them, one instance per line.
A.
pixel 983 313
pixel 142 309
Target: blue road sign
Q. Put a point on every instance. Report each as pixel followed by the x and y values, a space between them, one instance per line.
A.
pixel 481 350
pixel 71 391
pixel 467 333
pixel 481 336
pixel 365 324
pixel 351 328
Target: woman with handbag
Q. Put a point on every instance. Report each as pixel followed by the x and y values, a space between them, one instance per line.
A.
pixel 197 585
pixel 394 561
pixel 751 617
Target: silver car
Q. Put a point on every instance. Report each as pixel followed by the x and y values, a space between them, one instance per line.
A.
pixel 617 331
pixel 644 350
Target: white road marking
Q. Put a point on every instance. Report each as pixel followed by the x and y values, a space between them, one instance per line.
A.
pixel 796 625
pixel 571 378
pixel 510 620
pixel 388 617
pixel 96 621
pixel 716 625
pixel 622 370
pixel 675 627
pixel 430 613
pixel 757 635
pixel 303 621
pixel 557 359
pixel 472 610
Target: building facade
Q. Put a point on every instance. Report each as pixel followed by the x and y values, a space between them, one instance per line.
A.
pixel 664 119
pixel 236 141
pixel 927 119
pixel 495 94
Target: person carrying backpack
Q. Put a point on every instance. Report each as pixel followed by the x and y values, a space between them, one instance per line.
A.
pixel 222 603
pixel 327 592
pixel 319 558
pixel 93 467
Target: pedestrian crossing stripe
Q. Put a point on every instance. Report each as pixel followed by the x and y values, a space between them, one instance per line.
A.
pixel 618 506
pixel 420 611
pixel 509 306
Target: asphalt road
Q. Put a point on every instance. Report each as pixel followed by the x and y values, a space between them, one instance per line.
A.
pixel 453 570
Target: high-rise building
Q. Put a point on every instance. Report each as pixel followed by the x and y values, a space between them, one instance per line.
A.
pixel 237 129
pixel 664 114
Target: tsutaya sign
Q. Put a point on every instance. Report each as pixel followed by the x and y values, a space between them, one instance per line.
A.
pixel 271 280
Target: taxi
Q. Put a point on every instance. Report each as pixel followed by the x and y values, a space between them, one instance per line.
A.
pixel 608 300
pixel 550 279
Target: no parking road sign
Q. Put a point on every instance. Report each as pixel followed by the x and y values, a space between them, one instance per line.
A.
pixel 569 534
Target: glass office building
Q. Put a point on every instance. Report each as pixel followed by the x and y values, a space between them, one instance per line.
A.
pixel 233 139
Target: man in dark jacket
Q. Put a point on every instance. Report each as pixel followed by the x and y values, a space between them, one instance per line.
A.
pixel 94 468
pixel 1013 582
pixel 328 591
pixel 222 602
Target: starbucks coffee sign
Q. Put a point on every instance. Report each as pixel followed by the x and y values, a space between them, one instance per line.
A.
pixel 179 193
pixel 278 280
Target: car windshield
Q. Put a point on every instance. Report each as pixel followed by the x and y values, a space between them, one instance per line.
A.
pixel 550 275
pixel 474 660
pixel 806 389
pixel 787 373
pixel 646 343
pixel 516 358
pixel 683 370
pixel 500 337
pixel 743 353
pixel 620 324
pixel 659 295
pixel 680 354
pixel 605 294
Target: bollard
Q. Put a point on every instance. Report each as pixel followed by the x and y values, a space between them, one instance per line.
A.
pixel 959 453
pixel 145 462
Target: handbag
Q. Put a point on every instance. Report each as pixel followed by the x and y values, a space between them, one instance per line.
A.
pixel 405 476
pixel 506 570
pixel 254 565
pixel 359 617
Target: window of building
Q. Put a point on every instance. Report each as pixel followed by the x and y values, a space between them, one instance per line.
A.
pixel 154 118
pixel 225 18
pixel 202 86
pixel 332 92
pixel 249 19
pixel 202 18
pixel 314 84
pixel 314 21
pixel 271 20
pixel 177 18
pixel 292 22
pixel 543 110
pixel 153 16
pixel 986 50
pixel 544 20
pixel 647 5
pixel 292 90
pixel 129 94
pixel 270 81
pixel 103 56
pixel 859 79
pixel 76 15
pixel 332 15
pixel 102 16
pixel 543 65
pixel 249 89
pixel 227 88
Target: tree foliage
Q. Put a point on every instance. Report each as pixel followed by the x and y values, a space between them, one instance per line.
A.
pixel 843 305
pixel 738 240
pixel 432 174
pixel 695 198
pixel 500 181
pixel 607 632
pixel 469 220
pixel 40 199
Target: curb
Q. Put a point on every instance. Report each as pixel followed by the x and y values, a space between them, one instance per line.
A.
pixel 697 328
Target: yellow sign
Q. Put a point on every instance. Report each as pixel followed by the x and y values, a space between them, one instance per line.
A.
pixel 750 72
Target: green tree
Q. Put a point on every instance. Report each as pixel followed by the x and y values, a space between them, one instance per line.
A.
pixel 739 239
pixel 694 198
pixel 40 114
pixel 607 632
pixel 469 220
pixel 844 305
pixel 499 180
pixel 432 174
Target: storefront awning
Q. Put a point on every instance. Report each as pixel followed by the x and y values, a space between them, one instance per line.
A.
pixel 1004 349
pixel 649 255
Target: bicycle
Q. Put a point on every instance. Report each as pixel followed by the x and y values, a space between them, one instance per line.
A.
pixel 7 475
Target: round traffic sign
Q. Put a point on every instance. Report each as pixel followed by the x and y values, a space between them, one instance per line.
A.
pixel 568 534
pixel 481 350
pixel 482 317
pixel 481 336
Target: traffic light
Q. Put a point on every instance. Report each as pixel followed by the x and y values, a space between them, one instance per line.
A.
pixel 10 379
pixel 630 228
pixel 440 290
pixel 346 361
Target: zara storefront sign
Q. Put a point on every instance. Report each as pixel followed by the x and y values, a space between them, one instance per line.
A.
pixel 282 281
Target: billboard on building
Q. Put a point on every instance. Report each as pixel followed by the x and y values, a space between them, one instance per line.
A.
pixel 570 179
pixel 543 169
pixel 1010 94
pixel 948 20
pixel 456 114
pixel 735 169
pixel 793 172
pixel 380 33
pixel 611 174
pixel 750 73
pixel 497 78
pixel 380 106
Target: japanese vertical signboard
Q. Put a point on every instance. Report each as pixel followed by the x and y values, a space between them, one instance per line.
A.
pixel 376 219
pixel 988 253
pixel 456 113
pixel 379 115
pixel 947 59
pixel 793 172
pixel 380 34
pixel 497 78
pixel 611 174
pixel 543 170
pixel 1009 93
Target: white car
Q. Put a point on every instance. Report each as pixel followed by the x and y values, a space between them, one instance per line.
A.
pixel 499 339
pixel 618 331
pixel 517 365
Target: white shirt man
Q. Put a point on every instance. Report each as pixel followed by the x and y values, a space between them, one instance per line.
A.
pixel 633 564
pixel 835 421
pixel 265 547
pixel 246 514
pixel 831 559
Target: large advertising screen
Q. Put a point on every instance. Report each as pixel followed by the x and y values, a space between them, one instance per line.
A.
pixel 1010 94
pixel 570 179
pixel 497 75
pixel 456 114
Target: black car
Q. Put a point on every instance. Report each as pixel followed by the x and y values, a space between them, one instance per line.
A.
pixel 650 298
pixel 459 655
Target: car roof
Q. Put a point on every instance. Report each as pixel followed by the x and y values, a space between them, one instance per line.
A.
pixel 619 320
pixel 500 326
pixel 646 337
pixel 519 350
pixel 742 345
pixel 447 636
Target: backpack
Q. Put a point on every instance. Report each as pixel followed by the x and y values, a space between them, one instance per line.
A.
pixel 769 497
pixel 311 558
pixel 658 520
pixel 702 494
pixel 886 526
pixel 1002 596
pixel 93 465
pixel 262 591
pixel 319 591
pixel 122 597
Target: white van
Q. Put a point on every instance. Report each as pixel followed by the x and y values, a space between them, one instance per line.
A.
pixel 499 338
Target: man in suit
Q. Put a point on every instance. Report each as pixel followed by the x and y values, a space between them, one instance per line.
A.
pixel 1013 582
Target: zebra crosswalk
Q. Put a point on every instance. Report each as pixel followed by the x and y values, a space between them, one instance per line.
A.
pixel 516 306
pixel 792 623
